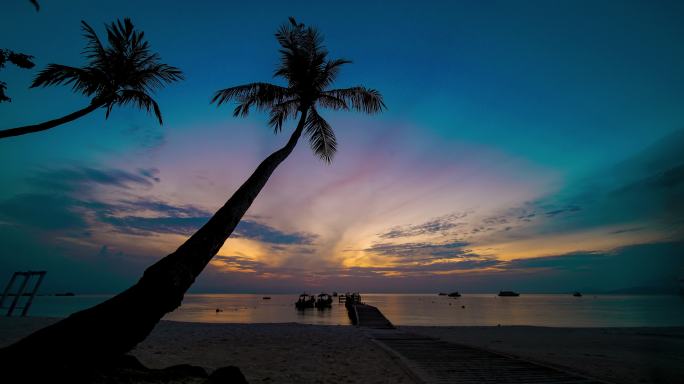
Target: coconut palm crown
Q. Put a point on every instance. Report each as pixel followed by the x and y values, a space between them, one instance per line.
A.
pixel 125 72
pixel 309 73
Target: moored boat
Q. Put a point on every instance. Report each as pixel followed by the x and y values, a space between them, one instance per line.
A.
pixel 508 294
pixel 305 301
pixel 454 294
pixel 577 294
pixel 324 301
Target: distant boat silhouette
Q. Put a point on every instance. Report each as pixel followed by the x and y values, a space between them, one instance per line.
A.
pixel 454 294
pixel 577 294
pixel 266 298
pixel 324 301
pixel 508 294
pixel 305 301
pixel 441 294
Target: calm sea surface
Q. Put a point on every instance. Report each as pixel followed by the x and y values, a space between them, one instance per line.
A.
pixel 416 309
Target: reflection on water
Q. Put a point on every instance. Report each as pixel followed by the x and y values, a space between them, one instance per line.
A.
pixel 416 309
pixel 242 308
pixel 532 309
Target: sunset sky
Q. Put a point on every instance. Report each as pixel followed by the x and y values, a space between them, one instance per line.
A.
pixel 528 145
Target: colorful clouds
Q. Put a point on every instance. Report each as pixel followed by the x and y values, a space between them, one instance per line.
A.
pixel 521 142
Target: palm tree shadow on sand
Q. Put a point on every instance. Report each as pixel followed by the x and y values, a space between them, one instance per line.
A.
pixel 100 335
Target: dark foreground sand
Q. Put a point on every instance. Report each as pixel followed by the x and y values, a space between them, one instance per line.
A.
pixel 618 355
pixel 296 353
pixel 265 353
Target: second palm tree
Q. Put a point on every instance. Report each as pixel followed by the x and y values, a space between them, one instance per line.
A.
pixel 126 72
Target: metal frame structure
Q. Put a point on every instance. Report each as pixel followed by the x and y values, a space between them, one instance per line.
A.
pixel 22 288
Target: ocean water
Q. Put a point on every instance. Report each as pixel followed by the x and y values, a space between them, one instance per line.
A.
pixel 416 309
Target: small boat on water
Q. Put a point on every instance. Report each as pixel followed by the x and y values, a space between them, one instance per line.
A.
pixel 324 301
pixel 441 294
pixel 454 294
pixel 305 301
pixel 266 298
pixel 508 294
pixel 577 294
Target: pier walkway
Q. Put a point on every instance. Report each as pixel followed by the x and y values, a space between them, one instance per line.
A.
pixel 430 360
pixel 369 316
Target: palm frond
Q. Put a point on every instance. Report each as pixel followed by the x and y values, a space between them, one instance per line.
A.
pixel 312 43
pixel 261 95
pixel 329 72
pixel 154 77
pixel 94 49
pixel 332 102
pixel 120 35
pixel 243 107
pixel 3 96
pixel 302 55
pixel 359 98
pixel 281 112
pixel 321 136
pixel 141 100
pixel 21 60
pixel 55 74
pixel 288 34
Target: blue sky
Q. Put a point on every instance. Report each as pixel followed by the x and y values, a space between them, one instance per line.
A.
pixel 515 131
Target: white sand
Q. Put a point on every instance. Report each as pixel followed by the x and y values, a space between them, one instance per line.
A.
pixel 266 353
pixel 619 355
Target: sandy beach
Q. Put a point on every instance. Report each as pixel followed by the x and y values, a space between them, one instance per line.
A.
pixel 265 353
pixel 297 353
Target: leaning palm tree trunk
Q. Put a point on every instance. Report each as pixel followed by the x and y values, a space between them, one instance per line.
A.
pixel 51 123
pixel 114 327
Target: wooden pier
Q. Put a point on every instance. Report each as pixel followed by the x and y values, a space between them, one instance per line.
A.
pixel 364 315
pixel 369 316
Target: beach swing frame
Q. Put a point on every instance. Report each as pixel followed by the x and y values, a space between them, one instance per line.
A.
pixel 22 289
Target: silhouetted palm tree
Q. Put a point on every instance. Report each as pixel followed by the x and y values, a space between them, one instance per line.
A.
pixel 309 74
pixel 118 324
pixel 126 72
